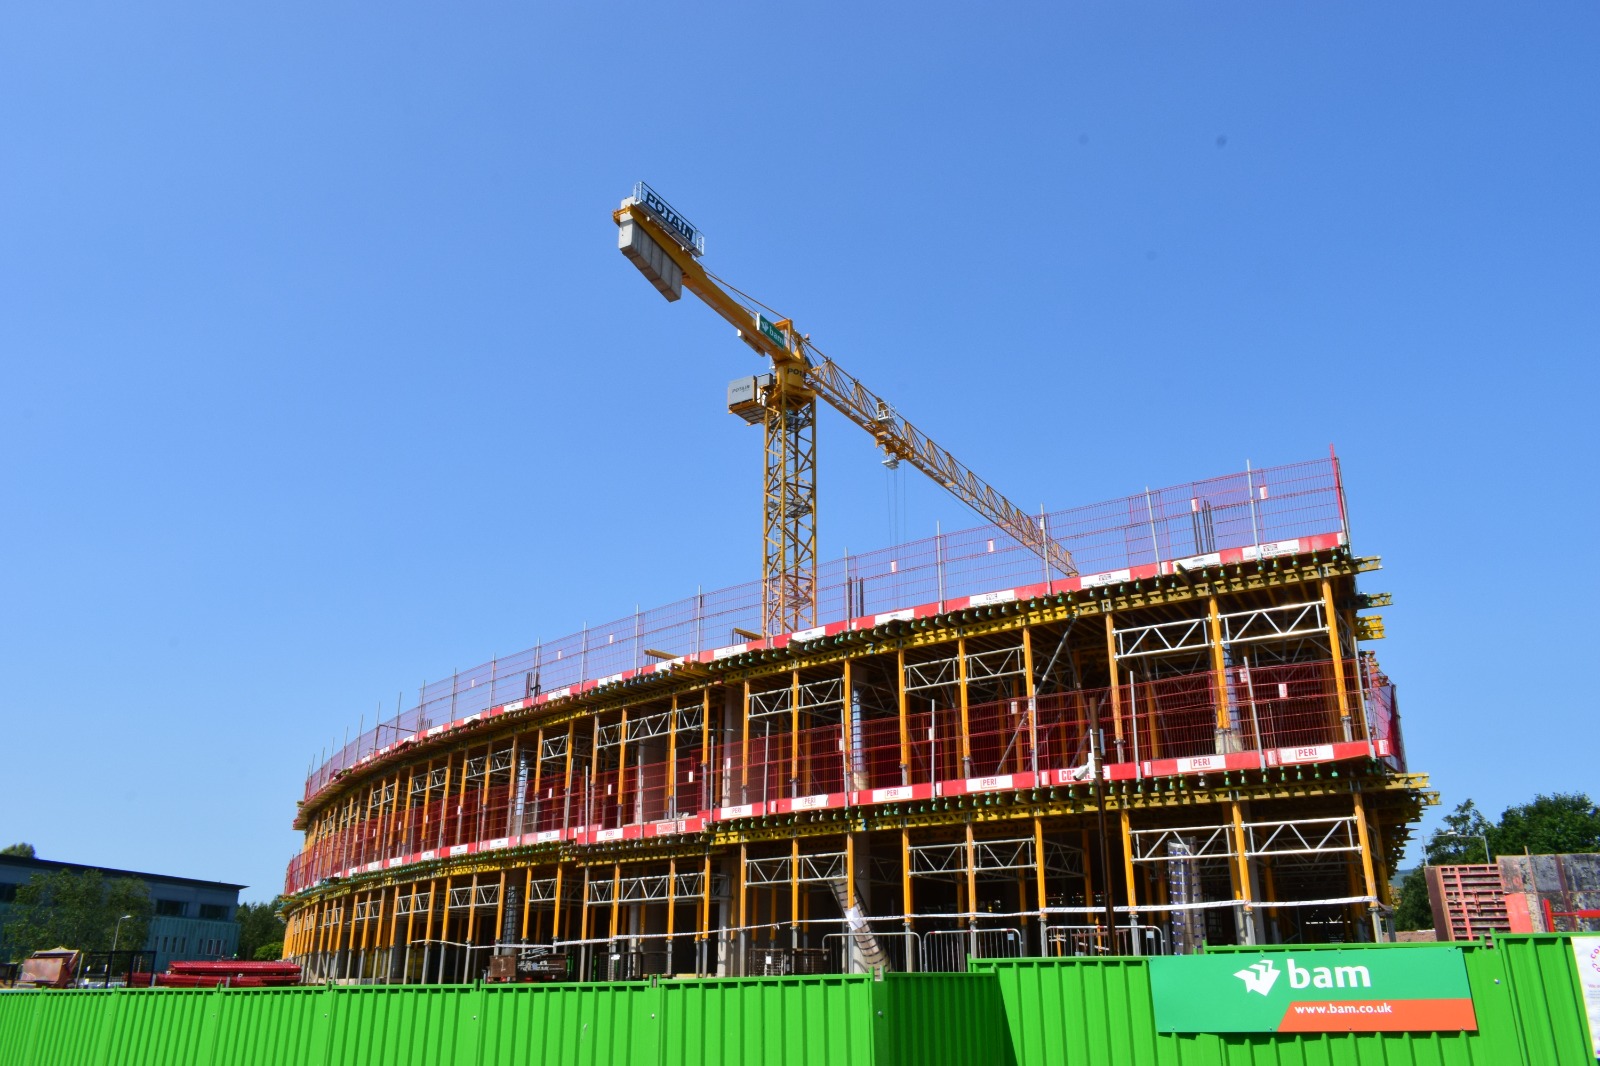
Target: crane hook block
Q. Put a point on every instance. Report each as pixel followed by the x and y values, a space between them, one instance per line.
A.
pixel 651 259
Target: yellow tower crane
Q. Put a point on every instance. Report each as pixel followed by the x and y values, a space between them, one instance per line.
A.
pixel 667 248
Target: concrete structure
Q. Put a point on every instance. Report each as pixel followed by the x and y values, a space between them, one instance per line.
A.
pixel 968 755
pixel 193 919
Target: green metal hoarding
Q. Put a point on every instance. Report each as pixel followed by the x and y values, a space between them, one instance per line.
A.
pixel 1526 1004
pixel 910 1019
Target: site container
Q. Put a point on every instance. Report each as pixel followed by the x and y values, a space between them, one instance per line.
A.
pixel 1086 1012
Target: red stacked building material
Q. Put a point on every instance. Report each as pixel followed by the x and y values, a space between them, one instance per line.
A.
pixel 1468 901
pixel 212 974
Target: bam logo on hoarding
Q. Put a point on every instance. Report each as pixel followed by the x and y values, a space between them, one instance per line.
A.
pixel 1260 977
pixel 1372 988
pixel 1263 975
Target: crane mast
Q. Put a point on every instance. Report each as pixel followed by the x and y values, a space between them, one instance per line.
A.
pixel 666 248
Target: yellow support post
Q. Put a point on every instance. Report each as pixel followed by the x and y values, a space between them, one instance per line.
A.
pixel 1365 841
pixel 538 781
pixel 905 877
pixel 671 798
pixel 708 769
pixel 1337 647
pixel 555 908
pixel 1033 707
pixel 972 879
pixel 744 751
pixel 849 870
pixel 444 916
pixel 444 798
pixel 527 904
pixel 616 896
pixel 1241 861
pixel 704 923
pixel 905 735
pixel 622 772
pixel 566 784
pixel 461 793
pixel 411 920
pixel 583 907
pixel 366 927
pixel 847 729
pixel 399 845
pixel 794 893
pixel 472 912
pixel 1127 865
pixel 1219 664
pixel 744 904
pixel 672 901
pixel 511 787
pixel 1039 877
pixel 500 908
pixel 966 732
pixel 1116 691
pixel 425 829
pixel 794 734
pixel 594 770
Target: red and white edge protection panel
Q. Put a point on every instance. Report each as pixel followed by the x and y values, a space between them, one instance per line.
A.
pixel 1054 778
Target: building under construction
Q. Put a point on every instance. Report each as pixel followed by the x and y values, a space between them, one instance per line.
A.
pixel 1133 727
pixel 966 755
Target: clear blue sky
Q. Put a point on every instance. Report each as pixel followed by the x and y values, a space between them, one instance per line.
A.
pixel 322 374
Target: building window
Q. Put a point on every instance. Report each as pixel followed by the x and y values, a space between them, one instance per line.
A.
pixel 214 912
pixel 8 893
pixel 171 908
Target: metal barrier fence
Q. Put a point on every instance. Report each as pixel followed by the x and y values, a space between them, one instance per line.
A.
pixel 846 954
pixel 947 950
pixel 1160 525
pixel 1092 940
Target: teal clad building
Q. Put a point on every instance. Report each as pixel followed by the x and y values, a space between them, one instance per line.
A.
pixel 192 919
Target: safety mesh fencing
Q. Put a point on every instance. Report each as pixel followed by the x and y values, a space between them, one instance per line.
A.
pixel 1282 706
pixel 1155 526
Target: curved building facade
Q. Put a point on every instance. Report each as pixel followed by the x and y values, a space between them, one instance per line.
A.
pixel 970 754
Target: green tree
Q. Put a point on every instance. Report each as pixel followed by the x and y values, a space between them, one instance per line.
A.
pixel 1564 823
pixel 78 910
pixel 259 926
pixel 269 952
pixel 21 851
pixel 1412 908
pixel 1460 839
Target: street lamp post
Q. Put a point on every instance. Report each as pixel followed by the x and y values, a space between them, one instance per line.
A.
pixel 1488 856
pixel 118 932
pixel 111 960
